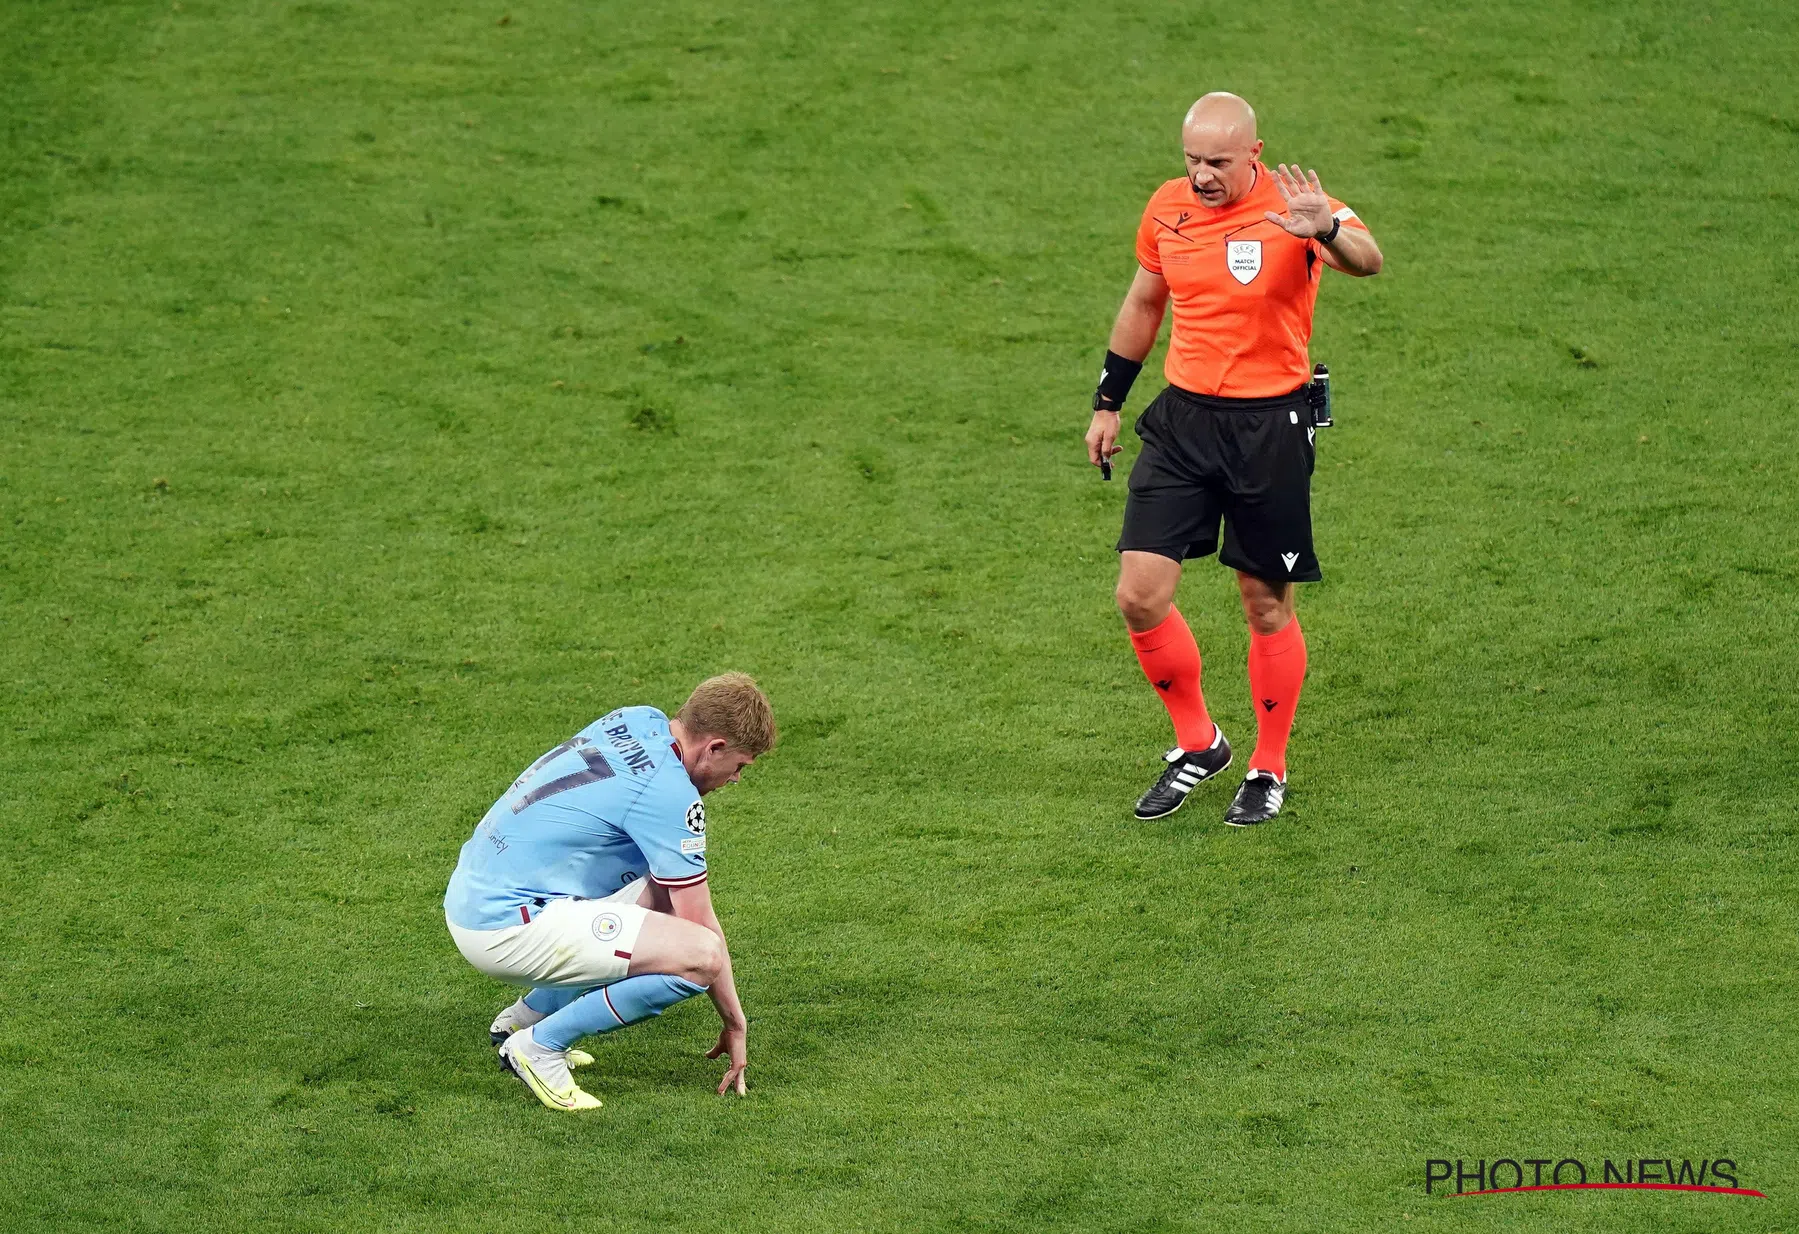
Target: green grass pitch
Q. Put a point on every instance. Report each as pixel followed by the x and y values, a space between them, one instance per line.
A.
pixel 388 389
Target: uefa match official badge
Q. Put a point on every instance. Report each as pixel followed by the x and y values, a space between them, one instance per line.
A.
pixel 1244 259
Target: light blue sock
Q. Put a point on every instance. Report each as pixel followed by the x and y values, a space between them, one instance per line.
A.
pixel 552 998
pixel 611 1007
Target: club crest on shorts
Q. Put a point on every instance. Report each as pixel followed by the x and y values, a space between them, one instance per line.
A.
pixel 696 819
pixel 606 926
pixel 1243 258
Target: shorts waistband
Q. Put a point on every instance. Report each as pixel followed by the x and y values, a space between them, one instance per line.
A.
pixel 1216 402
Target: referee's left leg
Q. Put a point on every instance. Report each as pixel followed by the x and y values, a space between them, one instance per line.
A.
pixel 1277 667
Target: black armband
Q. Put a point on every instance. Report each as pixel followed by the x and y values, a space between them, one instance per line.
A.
pixel 1115 381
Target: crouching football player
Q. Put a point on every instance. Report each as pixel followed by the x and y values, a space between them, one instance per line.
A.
pixel 586 882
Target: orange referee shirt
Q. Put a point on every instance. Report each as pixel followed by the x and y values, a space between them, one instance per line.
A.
pixel 1243 289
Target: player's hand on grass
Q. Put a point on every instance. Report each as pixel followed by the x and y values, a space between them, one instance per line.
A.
pixel 1102 437
pixel 1308 209
pixel 735 1043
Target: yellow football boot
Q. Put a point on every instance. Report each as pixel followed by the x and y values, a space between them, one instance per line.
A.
pixel 545 1073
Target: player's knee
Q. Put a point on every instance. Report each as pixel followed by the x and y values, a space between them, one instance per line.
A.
pixel 707 960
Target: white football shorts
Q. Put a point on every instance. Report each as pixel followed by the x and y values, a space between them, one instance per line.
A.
pixel 579 943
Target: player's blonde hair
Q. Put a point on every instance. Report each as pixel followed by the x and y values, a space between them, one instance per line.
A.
pixel 732 706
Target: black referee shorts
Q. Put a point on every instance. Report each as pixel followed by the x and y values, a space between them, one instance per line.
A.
pixel 1247 461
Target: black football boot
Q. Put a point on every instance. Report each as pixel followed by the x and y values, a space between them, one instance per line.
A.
pixel 1258 799
pixel 1183 774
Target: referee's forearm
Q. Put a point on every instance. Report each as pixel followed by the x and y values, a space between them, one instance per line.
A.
pixel 1355 252
pixel 1134 333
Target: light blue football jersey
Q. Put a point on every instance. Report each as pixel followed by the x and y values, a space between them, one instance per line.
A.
pixel 609 805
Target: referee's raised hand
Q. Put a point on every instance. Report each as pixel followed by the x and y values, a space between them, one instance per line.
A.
pixel 1310 216
pixel 1308 209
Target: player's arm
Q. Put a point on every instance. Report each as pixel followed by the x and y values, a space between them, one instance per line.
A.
pixel 1133 334
pixel 695 904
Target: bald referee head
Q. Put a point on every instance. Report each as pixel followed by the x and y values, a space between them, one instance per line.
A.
pixel 1219 140
pixel 1238 249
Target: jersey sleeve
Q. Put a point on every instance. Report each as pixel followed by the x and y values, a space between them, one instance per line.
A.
pixel 1343 214
pixel 668 823
pixel 1148 255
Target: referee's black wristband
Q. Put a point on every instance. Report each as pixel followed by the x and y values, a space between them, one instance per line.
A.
pixel 1115 381
pixel 1336 226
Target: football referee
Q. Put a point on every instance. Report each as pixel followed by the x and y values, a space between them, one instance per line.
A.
pixel 1239 249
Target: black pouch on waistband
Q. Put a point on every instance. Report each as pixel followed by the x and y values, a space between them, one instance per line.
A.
pixel 1318 396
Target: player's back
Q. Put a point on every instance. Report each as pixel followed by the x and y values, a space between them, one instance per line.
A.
pixel 578 822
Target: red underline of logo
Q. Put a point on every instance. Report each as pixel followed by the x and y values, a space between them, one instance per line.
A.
pixel 1619 1187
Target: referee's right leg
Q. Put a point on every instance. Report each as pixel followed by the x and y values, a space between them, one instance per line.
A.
pixel 1163 643
pixel 1169 514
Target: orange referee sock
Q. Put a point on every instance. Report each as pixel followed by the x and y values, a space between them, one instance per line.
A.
pixel 1277 669
pixel 1170 659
